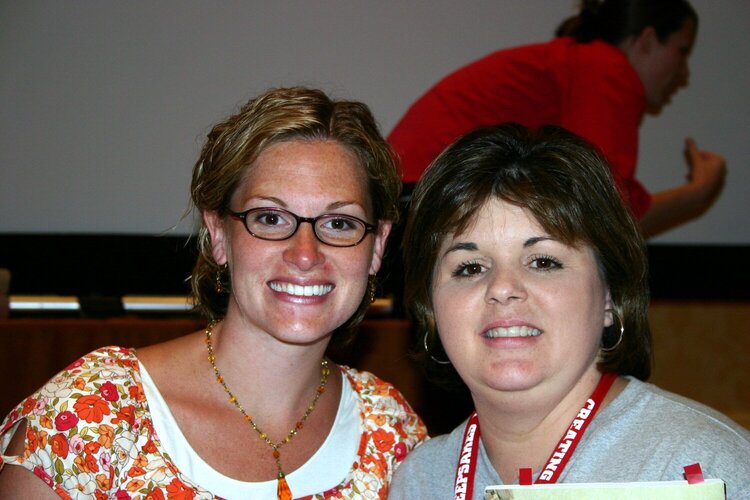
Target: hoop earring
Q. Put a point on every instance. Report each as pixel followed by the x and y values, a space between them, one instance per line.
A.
pixel 615 314
pixel 219 283
pixel 427 350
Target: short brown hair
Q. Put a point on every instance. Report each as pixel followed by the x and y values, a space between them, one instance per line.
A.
pixel 567 186
pixel 275 116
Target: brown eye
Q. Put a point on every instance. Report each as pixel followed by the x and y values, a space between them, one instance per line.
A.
pixel 269 219
pixel 545 263
pixel 473 269
pixel 468 269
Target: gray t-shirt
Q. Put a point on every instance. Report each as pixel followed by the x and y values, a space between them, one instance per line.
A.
pixel 645 434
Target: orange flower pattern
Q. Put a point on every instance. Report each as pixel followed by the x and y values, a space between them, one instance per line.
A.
pixel 89 431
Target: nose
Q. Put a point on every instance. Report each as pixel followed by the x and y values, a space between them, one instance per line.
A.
pixel 303 249
pixel 505 286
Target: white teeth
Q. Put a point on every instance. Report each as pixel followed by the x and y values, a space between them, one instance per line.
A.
pixel 513 331
pixel 302 291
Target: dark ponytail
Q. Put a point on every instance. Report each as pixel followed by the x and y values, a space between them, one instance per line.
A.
pixel 582 27
pixel 613 21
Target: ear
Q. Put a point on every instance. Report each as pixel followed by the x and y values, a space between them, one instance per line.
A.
pixel 219 242
pixel 635 46
pixel 647 40
pixel 609 319
pixel 381 238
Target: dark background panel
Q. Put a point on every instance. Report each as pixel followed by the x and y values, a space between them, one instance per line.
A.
pixel 117 265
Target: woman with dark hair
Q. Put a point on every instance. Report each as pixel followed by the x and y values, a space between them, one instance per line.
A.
pixel 528 278
pixel 612 63
pixel 297 194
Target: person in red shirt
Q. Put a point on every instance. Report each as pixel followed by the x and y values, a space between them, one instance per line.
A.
pixel 609 65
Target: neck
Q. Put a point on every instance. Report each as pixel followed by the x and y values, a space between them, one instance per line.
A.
pixel 251 349
pixel 275 381
pixel 521 429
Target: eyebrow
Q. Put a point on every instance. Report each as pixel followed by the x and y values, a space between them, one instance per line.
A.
pixel 469 246
pixel 537 239
pixel 333 206
pixel 339 204
pixel 466 246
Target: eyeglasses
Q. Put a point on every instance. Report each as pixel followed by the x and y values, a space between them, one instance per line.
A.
pixel 275 224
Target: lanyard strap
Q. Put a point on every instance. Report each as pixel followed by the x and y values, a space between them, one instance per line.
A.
pixel 466 469
pixel 570 438
pixel 464 484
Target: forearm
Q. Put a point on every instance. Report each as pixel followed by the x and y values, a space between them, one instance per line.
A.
pixel 672 208
pixel 676 206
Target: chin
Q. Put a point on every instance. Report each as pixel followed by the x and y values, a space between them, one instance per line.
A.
pixel 304 336
pixel 512 377
pixel 653 110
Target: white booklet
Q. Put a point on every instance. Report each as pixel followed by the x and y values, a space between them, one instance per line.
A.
pixel 710 489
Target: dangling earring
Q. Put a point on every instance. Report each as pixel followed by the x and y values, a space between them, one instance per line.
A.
pixel 427 350
pixel 371 286
pixel 615 314
pixel 220 288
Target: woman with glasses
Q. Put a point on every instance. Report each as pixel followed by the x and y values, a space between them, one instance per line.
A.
pixel 297 194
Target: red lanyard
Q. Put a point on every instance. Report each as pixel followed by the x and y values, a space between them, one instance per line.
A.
pixel 467 461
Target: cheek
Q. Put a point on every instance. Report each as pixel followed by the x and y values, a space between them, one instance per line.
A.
pixel 361 262
pixel 246 267
pixel 451 312
pixel 592 313
pixel 353 265
pixel 439 312
pixel 669 69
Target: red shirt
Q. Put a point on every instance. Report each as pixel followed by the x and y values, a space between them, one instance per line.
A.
pixel 590 89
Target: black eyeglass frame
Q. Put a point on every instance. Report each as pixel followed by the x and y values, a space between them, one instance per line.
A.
pixel 242 216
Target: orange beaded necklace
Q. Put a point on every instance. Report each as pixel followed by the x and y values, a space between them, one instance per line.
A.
pixel 283 490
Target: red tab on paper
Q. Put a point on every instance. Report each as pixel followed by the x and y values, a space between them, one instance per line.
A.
pixel 524 476
pixel 693 473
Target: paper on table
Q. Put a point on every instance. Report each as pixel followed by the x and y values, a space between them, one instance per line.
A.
pixel 710 489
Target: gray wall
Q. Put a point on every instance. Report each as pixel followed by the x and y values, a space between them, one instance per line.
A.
pixel 104 104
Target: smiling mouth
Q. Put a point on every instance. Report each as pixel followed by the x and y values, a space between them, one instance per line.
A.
pixel 513 331
pixel 300 290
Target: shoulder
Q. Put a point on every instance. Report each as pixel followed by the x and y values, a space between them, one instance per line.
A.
pixel 380 397
pixel 76 420
pixel 595 51
pixel 101 378
pixel 602 59
pixel 655 433
pixel 87 389
pixel 438 453
pixel 680 414
pixel 512 59
pixel 494 68
pixel 430 469
pixel 566 48
pixel 390 428
pixel 383 406
pixel 101 374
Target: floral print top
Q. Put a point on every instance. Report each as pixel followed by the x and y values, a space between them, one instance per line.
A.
pixel 89 435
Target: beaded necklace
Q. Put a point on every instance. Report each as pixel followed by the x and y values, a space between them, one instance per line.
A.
pixel 283 491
